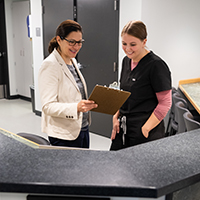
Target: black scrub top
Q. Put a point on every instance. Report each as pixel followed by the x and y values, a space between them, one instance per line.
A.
pixel 150 76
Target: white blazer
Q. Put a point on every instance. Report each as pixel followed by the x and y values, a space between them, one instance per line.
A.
pixel 60 95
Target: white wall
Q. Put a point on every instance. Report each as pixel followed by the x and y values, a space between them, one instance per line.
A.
pixel 129 10
pixel 174 29
pixel 173 32
pixel 36 20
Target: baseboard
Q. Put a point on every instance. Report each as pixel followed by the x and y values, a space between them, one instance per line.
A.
pixel 38 113
pixel 25 98
pixel 19 97
pixel 13 97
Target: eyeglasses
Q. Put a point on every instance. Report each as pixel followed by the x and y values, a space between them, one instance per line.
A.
pixel 73 42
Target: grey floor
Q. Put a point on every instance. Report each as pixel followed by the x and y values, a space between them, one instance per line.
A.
pixel 17 116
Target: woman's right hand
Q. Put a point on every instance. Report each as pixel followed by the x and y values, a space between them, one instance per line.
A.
pixel 86 105
pixel 115 129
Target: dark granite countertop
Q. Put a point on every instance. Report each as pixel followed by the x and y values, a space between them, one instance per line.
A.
pixel 150 170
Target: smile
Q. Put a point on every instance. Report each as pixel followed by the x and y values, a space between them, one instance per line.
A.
pixel 73 51
pixel 129 53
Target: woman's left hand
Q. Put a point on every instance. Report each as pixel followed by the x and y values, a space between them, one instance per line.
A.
pixel 151 123
pixel 145 132
pixel 86 105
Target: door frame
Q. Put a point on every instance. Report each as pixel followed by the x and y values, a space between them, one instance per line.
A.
pixel 3 45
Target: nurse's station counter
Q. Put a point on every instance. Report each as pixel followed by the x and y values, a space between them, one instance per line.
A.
pixel 168 168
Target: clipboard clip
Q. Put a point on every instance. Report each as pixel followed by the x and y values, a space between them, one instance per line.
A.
pixel 114 85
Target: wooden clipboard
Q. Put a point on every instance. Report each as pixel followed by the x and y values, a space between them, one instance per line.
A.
pixel 109 100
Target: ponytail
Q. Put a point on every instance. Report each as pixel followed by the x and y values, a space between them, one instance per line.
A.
pixel 52 44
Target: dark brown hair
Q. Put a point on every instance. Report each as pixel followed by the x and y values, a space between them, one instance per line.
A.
pixel 136 29
pixel 63 30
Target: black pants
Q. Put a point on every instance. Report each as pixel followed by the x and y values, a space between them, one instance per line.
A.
pixel 134 135
pixel 81 142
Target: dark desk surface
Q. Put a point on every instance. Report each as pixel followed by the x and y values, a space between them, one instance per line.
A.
pixel 153 169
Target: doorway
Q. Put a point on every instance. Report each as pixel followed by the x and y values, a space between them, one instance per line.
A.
pixel 22 45
pixel 4 80
pixel 99 54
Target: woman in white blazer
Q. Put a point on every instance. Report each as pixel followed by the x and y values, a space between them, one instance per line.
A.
pixel 63 92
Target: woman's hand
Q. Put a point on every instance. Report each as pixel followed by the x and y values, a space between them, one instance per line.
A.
pixel 115 129
pixel 145 132
pixel 86 105
pixel 151 123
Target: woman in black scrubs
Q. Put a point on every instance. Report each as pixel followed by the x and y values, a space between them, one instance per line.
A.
pixel 148 78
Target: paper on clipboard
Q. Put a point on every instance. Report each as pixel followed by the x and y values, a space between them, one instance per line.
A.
pixel 109 100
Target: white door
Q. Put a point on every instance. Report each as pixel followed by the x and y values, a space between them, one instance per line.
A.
pixel 22 48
